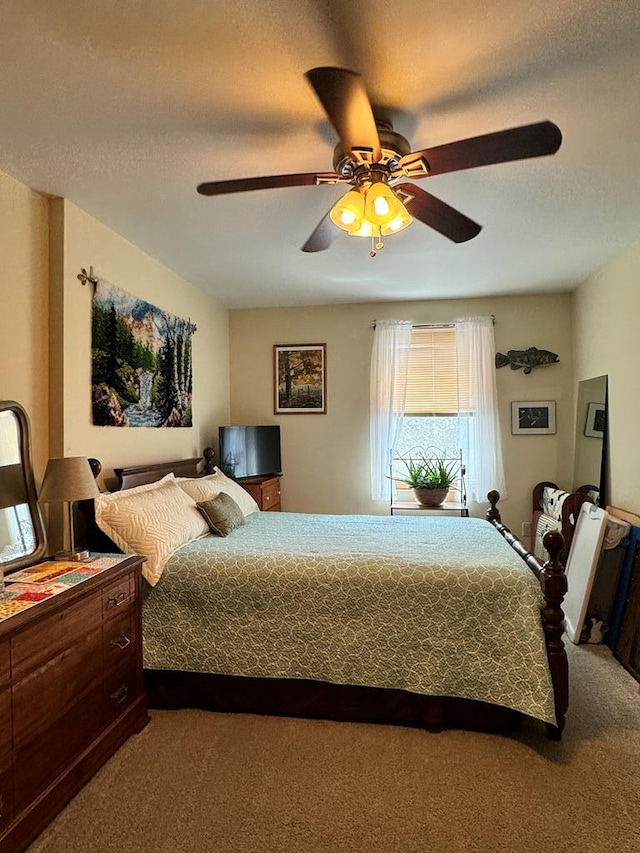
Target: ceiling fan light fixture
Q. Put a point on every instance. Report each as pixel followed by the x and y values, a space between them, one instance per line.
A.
pixel 401 221
pixel 381 206
pixel 348 212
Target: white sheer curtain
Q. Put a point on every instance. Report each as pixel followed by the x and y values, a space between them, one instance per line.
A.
pixel 478 423
pixel 389 361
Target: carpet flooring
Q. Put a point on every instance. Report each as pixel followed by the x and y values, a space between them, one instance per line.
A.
pixel 201 782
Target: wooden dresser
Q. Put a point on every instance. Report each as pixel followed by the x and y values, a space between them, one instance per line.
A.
pixel 264 490
pixel 71 693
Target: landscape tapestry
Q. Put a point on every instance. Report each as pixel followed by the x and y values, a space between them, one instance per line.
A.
pixel 141 362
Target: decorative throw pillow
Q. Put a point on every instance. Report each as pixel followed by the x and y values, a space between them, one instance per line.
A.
pixel 205 488
pixel 222 514
pixel 552 500
pixel 152 520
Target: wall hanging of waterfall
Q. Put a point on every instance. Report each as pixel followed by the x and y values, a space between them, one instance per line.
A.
pixel 141 362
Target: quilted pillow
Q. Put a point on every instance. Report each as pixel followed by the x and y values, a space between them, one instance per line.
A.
pixel 205 488
pixel 152 520
pixel 222 514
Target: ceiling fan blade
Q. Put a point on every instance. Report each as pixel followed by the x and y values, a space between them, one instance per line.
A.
pixel 437 214
pixel 344 98
pixel 322 237
pixel 517 143
pixel 240 185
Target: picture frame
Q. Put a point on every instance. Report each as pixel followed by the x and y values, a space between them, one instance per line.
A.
pixel 594 426
pixel 299 379
pixel 535 417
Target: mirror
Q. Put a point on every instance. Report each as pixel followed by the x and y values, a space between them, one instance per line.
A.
pixel 22 535
pixel 591 430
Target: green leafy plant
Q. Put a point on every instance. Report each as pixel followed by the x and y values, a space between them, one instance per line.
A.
pixel 428 470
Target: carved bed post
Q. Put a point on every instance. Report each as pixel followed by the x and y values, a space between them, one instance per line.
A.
pixel 554 586
pixel 493 513
pixel 553 583
pixel 209 455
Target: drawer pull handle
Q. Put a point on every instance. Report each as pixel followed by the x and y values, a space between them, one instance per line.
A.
pixel 116 600
pixel 122 642
pixel 120 695
pixel 267 498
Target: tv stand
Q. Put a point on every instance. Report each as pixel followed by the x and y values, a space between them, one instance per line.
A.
pixel 264 490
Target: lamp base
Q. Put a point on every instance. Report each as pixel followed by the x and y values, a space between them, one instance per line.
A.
pixel 77 556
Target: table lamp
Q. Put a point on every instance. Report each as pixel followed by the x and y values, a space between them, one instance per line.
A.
pixel 66 480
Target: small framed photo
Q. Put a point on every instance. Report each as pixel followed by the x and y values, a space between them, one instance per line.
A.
pixel 300 373
pixel 594 427
pixel 533 418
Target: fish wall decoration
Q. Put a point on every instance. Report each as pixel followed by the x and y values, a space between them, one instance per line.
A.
pixel 526 359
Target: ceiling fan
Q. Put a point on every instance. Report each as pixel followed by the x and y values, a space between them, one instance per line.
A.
pixel 375 160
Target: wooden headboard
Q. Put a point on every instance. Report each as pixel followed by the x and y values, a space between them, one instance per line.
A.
pixel 140 475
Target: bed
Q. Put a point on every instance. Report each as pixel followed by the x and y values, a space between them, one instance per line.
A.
pixel 419 621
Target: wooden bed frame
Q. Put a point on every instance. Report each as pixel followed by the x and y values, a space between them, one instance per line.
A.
pixel 299 697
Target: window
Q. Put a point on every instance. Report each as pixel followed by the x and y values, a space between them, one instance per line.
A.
pixel 436 386
pixel 431 402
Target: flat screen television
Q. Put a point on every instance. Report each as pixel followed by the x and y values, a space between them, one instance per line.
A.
pixel 250 451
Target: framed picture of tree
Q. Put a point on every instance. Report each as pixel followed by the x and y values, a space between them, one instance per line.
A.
pixel 300 372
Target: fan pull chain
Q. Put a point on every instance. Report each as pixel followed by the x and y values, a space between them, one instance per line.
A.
pixel 379 244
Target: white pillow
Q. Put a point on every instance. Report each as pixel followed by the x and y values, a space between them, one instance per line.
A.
pixel 152 520
pixel 206 488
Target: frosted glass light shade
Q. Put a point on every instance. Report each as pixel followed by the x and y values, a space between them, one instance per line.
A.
pixel 381 205
pixel 347 213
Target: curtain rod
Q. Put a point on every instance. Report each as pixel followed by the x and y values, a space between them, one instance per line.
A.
pixel 435 325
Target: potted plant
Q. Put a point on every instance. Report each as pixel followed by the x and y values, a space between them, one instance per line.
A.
pixel 430 474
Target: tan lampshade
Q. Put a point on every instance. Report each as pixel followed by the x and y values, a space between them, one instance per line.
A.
pixel 68 479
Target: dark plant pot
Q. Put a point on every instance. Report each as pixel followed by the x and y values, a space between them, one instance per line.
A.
pixel 430 497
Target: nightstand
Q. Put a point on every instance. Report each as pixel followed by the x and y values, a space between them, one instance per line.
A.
pixel 71 689
pixel 264 490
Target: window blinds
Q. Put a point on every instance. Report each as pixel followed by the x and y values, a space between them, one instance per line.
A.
pixel 432 385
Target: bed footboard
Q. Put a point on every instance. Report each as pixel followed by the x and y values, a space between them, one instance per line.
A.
pixel 553 583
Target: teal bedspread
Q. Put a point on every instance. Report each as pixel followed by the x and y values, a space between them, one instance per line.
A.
pixel 439 606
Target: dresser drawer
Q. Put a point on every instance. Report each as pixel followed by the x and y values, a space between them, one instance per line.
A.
pixel 38 762
pixel 5 724
pixel 120 690
pixel 117 595
pixel 119 639
pixel 6 795
pixel 62 680
pixel 54 633
pixel 5 664
pixel 271 495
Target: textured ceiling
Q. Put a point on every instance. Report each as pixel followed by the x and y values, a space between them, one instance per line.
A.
pixel 124 107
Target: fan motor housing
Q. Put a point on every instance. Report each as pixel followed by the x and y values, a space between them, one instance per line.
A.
pixel 393 145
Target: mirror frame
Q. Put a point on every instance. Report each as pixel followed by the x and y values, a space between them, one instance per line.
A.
pixel 32 495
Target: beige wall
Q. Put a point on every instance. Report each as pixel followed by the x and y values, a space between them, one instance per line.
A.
pixel 78 241
pixel 607 341
pixel 45 332
pixel 326 457
pixel 23 307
